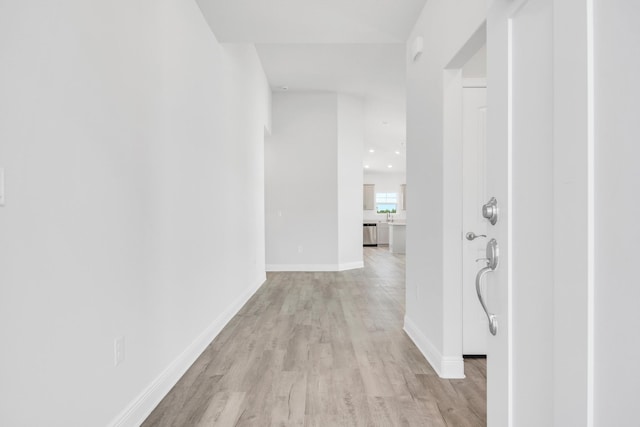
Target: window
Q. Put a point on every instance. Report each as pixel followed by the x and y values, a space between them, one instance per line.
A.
pixel 386 202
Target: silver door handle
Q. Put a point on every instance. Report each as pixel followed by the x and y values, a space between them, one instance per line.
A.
pixel 493 322
pixel 473 236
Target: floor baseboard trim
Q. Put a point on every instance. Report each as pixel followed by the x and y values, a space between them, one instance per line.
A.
pixel 302 267
pixel 258 284
pixel 315 267
pixel 140 408
pixel 445 367
pixel 350 265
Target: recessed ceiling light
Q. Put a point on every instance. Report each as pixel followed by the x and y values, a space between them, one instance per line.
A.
pixel 389 166
pixel 397 152
pixel 371 150
pixel 366 166
pixel 284 87
pixel 385 123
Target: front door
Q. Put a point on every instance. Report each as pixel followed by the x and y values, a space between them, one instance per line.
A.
pixel 519 176
pixel 474 227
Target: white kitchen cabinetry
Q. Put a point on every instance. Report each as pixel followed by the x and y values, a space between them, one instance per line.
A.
pixel 369 197
pixel 383 233
pixel 397 238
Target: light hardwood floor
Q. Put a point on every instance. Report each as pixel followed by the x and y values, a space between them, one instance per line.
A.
pixel 323 349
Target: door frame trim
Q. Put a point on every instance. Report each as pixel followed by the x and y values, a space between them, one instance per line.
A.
pixel 453 234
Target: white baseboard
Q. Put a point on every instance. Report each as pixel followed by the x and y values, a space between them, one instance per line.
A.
pixel 258 284
pixel 302 267
pixel 312 267
pixel 445 367
pixel 315 267
pixel 350 265
pixel 140 408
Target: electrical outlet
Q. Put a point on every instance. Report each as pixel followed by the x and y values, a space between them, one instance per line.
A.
pixel 118 347
pixel 300 249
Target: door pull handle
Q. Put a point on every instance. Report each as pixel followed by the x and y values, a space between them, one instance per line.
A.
pixel 493 256
pixel 493 322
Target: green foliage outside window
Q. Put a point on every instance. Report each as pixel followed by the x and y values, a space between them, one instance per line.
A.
pixel 386 210
pixel 386 203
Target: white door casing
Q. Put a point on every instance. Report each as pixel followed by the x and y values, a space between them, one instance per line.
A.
pixel 520 177
pixel 474 322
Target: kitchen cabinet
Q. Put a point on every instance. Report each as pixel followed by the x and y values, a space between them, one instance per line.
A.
pixel 369 197
pixel 383 233
pixel 397 236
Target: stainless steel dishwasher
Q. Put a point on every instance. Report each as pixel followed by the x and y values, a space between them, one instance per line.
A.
pixel 370 234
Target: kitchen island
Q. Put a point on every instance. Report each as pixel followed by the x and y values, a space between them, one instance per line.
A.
pixel 397 237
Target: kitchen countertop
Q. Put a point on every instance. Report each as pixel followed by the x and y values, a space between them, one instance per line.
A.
pixel 384 222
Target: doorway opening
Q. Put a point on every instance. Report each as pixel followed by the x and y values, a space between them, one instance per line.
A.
pixel 465 109
pixel 474 195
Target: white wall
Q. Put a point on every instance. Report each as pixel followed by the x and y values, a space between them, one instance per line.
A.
pixel 617 213
pixel 125 131
pixel 429 172
pixel 477 65
pixel 302 180
pixel 350 146
pixel 385 183
pixel 313 196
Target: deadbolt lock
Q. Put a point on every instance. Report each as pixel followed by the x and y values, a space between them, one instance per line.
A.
pixel 490 211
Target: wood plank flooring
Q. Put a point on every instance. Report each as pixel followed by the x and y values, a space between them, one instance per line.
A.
pixel 323 349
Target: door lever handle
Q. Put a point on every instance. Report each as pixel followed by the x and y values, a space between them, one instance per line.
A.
pixel 473 236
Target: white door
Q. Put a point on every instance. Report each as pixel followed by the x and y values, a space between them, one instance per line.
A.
pixel 519 176
pixel 474 113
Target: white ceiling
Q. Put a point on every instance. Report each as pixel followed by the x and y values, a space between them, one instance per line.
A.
pixel 365 70
pixel 355 47
pixel 311 21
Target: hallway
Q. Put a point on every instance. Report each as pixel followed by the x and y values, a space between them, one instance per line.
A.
pixel 323 349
